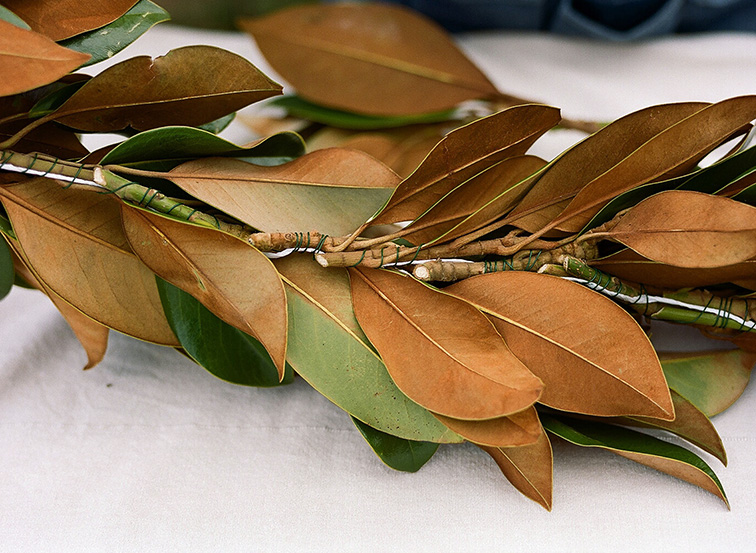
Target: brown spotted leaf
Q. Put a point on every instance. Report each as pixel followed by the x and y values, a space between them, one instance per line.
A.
pixel 591 355
pixel 368 58
pixel 441 351
pixel 29 60
pixel 465 152
pixel 191 86
pixel 73 241
pixel 65 18
pixel 229 277
pixel 689 229
pixel 515 430
pixel 528 468
pixel 333 191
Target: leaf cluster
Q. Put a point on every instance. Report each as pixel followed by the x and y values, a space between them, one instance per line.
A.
pixel 410 259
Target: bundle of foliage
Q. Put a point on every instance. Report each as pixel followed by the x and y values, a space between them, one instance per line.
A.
pixel 486 295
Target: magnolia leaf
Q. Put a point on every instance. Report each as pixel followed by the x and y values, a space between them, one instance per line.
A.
pixel 690 423
pixel 92 336
pixel 103 43
pixel 689 229
pixel 401 149
pixel 188 86
pixel 66 18
pixel 641 448
pixel 74 243
pixel 7 272
pixel 397 453
pixel 333 191
pixel 633 267
pixel 375 59
pixel 710 380
pixel 10 17
pixel 164 148
pixel 441 351
pixel 299 107
pixel 49 138
pixel 590 353
pixel 477 201
pixel 529 468
pixel 476 146
pixel 590 158
pixel 29 60
pixel 519 429
pixel 223 350
pixel 207 263
pixel 672 152
pixel 328 349
pixel 725 172
pixel 56 97
pixel 218 125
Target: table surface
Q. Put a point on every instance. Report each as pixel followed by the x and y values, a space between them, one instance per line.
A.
pixel 148 452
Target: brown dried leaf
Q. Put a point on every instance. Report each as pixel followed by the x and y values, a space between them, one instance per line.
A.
pixel 689 229
pixel 92 336
pixel 207 264
pixel 333 191
pixel 633 267
pixel 515 430
pixel 29 60
pixel 591 355
pixel 74 243
pixel 465 152
pixel 66 18
pixel 441 351
pixel 368 58
pixel 476 202
pixel 592 157
pixel 188 86
pixel 690 423
pixel 48 138
pixel 674 151
pixel 529 468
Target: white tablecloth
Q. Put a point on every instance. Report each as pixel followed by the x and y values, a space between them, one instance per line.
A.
pixel 147 452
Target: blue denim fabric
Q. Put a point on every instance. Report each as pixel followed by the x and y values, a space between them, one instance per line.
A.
pixel 603 19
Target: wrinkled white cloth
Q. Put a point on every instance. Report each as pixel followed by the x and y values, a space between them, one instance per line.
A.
pixel 148 452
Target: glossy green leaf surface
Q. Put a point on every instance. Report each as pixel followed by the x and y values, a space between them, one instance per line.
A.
pixel 221 349
pixel 714 178
pixel 55 99
pixel 10 17
pixel 710 380
pixel 397 453
pixel 643 448
pixel 303 109
pixel 105 42
pixel 164 148
pixel 7 274
pixel 219 124
pixel 327 348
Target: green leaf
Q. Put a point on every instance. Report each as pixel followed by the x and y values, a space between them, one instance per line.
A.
pixel 714 178
pixel 105 42
pixel 10 17
pixel 221 349
pixel 327 348
pixel 55 99
pixel 164 148
pixel 7 273
pixel 301 108
pixel 636 446
pixel 397 453
pixel 710 380
pixel 219 124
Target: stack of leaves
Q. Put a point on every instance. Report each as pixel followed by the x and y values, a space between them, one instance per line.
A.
pixel 486 295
